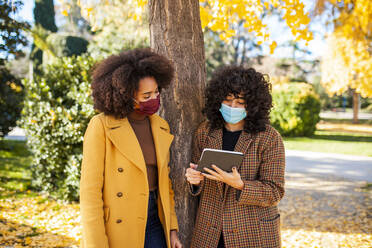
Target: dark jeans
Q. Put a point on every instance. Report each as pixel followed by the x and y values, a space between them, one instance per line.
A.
pixel 154 237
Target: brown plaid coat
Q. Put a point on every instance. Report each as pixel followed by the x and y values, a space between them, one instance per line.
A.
pixel 250 217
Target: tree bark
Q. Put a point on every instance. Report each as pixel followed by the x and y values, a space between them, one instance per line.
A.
pixel 355 107
pixel 175 31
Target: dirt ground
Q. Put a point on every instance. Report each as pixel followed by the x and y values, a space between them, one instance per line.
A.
pixel 319 211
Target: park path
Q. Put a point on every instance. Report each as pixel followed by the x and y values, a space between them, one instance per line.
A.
pixel 351 167
pixel 345 115
pixel 325 204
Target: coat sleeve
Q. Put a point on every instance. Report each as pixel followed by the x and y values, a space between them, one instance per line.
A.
pixel 91 185
pixel 268 190
pixel 196 153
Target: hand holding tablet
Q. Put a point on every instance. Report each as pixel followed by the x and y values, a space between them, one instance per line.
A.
pixel 223 159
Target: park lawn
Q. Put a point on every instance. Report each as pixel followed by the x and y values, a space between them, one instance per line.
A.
pixel 15 175
pixel 333 142
pixel 346 121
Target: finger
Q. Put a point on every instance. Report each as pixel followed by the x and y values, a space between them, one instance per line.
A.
pixel 235 171
pixel 195 182
pixel 192 172
pixel 211 177
pixel 195 172
pixel 197 177
pixel 212 172
pixel 193 166
pixel 194 179
pixel 222 172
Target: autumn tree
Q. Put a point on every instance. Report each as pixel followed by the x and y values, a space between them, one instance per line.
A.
pixel 347 63
pixel 176 30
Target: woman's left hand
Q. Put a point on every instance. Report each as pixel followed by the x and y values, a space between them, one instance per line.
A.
pixel 175 242
pixel 233 179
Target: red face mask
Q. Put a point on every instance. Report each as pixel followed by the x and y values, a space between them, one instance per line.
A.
pixel 149 107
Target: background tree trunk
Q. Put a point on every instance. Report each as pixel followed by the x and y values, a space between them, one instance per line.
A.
pixel 355 107
pixel 175 31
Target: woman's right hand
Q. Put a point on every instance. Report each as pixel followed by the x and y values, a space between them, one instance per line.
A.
pixel 193 176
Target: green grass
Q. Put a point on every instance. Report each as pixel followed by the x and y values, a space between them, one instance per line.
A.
pixel 332 142
pixel 346 121
pixel 15 175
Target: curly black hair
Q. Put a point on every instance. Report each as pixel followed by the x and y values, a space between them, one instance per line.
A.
pixel 116 79
pixel 236 80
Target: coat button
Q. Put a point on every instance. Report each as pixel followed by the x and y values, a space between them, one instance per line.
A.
pixel 118 221
pixel 120 169
pixel 119 194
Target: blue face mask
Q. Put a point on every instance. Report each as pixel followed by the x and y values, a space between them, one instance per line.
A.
pixel 232 115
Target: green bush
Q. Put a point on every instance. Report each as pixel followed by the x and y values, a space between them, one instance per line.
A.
pixel 57 110
pixel 63 46
pixel 67 45
pixel 296 109
pixel 11 98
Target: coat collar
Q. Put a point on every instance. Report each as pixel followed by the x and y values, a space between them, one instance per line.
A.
pixel 242 144
pixel 121 133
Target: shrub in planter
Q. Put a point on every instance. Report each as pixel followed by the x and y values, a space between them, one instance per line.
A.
pixel 57 110
pixel 296 109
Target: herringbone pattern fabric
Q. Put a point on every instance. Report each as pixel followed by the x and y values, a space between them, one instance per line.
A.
pixel 250 217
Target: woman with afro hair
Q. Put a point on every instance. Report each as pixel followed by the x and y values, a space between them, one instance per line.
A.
pixel 126 196
pixel 238 208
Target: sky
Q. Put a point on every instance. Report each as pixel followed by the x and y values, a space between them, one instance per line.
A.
pixel 279 32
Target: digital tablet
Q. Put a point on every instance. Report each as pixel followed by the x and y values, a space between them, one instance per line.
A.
pixel 223 159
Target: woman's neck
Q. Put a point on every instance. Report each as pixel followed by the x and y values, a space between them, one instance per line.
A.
pixel 136 116
pixel 235 127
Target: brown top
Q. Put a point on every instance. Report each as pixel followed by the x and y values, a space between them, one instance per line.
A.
pixel 142 129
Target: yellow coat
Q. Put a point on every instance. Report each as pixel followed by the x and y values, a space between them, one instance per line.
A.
pixel 114 188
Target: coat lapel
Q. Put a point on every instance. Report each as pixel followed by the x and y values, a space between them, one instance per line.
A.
pixel 243 143
pixel 215 142
pixel 242 146
pixel 121 134
pixel 162 140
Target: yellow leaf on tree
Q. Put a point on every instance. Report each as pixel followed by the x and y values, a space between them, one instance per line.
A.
pixel 64 12
pixel 273 46
pixel 221 16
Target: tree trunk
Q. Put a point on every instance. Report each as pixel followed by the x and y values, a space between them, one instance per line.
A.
pixel 175 31
pixel 355 107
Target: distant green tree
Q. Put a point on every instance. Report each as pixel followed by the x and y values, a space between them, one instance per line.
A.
pixel 241 50
pixel 71 21
pixel 12 39
pixel 117 30
pixel 44 16
pixel 11 98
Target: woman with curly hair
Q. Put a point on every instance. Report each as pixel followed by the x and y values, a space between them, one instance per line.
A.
pixel 126 196
pixel 238 208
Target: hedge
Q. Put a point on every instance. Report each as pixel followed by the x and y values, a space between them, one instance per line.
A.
pixel 296 109
pixel 57 110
